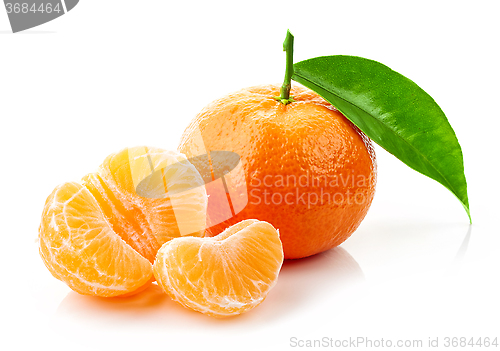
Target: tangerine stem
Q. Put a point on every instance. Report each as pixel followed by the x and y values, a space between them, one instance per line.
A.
pixel 285 97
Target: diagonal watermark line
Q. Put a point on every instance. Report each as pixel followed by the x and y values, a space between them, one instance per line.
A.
pixel 63 3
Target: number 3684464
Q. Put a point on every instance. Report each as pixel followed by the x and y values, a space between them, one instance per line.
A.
pixel 34 8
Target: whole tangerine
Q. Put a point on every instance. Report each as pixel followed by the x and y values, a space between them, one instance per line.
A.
pixel 307 169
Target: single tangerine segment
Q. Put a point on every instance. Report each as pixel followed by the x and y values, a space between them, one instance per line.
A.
pixel 100 237
pixel 225 275
pixel 78 246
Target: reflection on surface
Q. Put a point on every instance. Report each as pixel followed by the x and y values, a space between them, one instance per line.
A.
pixel 403 248
pixel 309 278
pixel 465 245
pixel 300 281
pixel 456 264
pixel 141 303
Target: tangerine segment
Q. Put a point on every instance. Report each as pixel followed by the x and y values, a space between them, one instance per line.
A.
pixel 174 207
pixel 79 246
pixel 98 236
pixel 224 275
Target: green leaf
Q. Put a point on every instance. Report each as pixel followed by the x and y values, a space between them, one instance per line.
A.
pixel 393 111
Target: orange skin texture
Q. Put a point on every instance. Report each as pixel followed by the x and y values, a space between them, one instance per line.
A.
pixel 306 147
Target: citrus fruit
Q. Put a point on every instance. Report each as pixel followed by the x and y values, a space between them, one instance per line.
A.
pixel 307 170
pixel 224 275
pixel 101 238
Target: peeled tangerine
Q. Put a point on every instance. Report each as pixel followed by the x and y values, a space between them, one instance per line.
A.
pixel 224 275
pixel 101 237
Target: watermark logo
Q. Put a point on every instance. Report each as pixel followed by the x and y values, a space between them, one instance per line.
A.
pixel 26 14
pixel 308 190
pixel 220 172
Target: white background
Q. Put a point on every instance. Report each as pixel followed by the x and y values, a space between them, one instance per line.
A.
pixel 112 74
